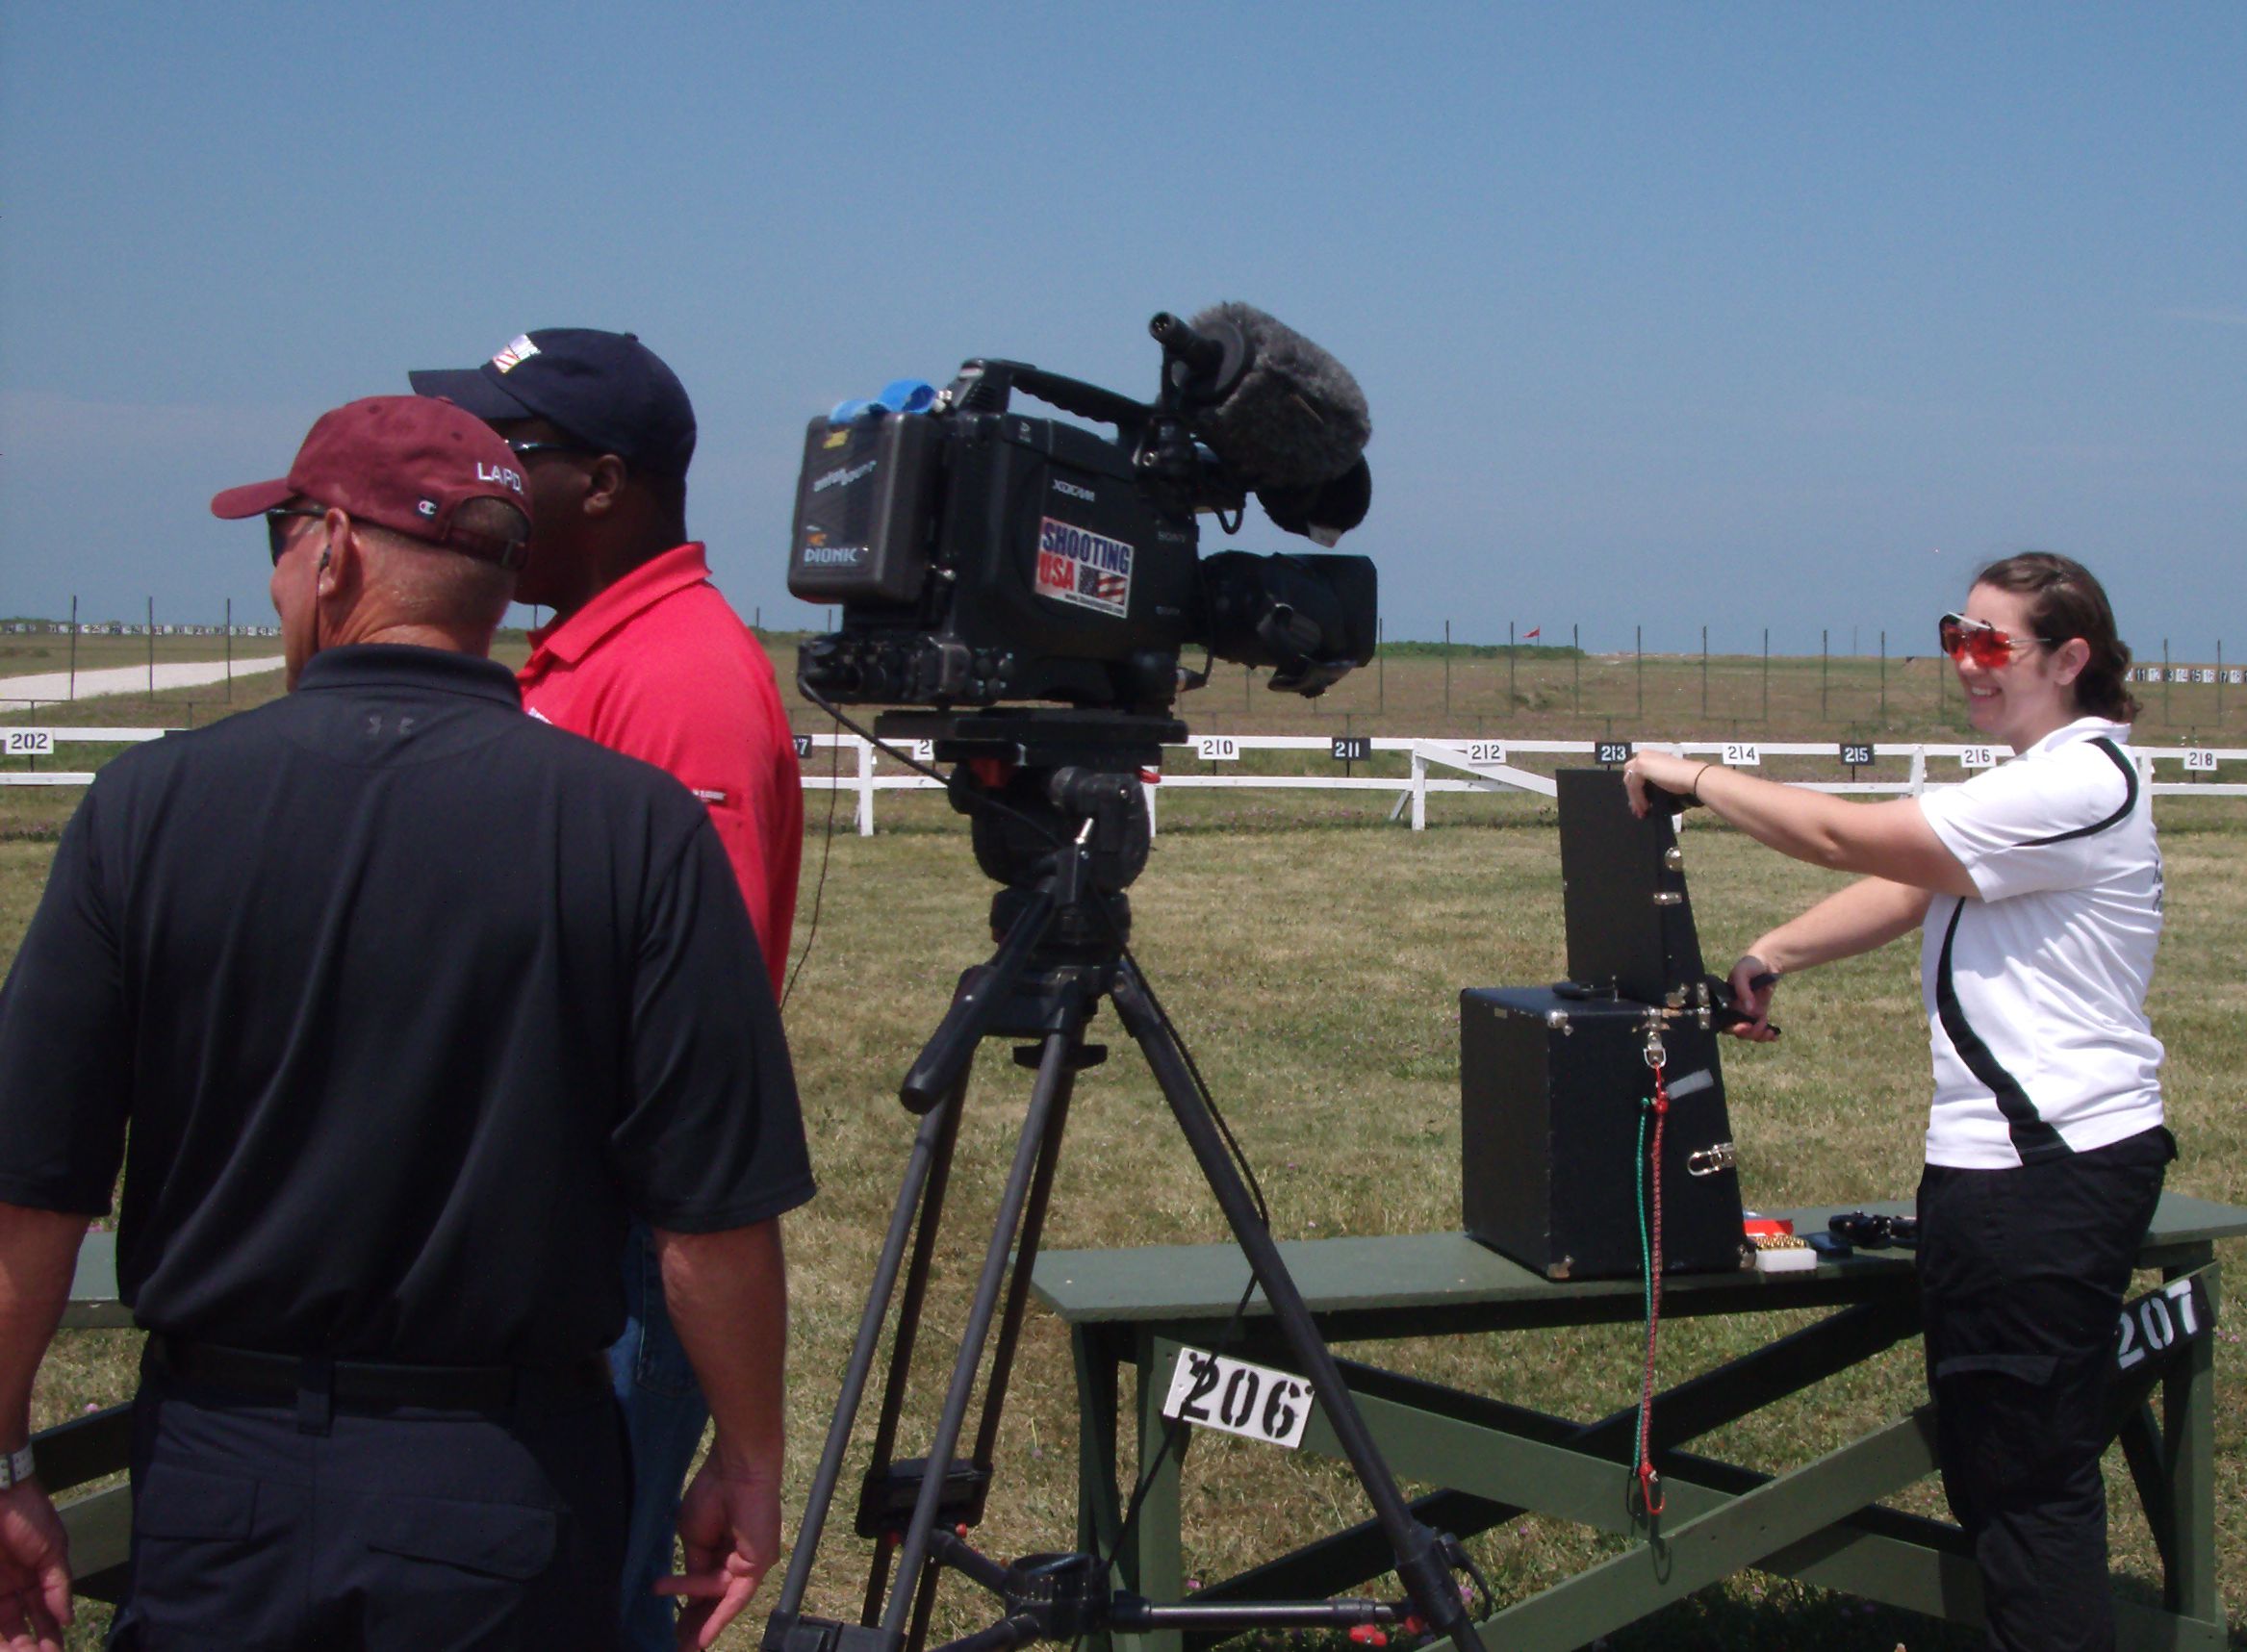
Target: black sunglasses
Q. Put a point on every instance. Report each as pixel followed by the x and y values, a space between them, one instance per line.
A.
pixel 277 528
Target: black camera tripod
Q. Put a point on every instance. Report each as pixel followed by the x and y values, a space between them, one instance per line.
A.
pixel 1060 822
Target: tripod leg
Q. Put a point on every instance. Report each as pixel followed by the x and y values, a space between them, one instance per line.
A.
pixel 924 1608
pixel 1041 1188
pixel 1061 1050
pixel 1419 1559
pixel 908 1321
pixel 931 1157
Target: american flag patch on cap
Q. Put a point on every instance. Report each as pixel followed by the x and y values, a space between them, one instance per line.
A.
pixel 519 349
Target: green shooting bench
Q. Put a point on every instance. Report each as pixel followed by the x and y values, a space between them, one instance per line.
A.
pixel 1819 1522
pixel 1822 1522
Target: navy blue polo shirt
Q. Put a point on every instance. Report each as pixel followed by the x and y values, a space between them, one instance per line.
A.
pixel 394 1001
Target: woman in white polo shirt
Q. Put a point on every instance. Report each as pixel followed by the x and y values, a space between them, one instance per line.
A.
pixel 2037 888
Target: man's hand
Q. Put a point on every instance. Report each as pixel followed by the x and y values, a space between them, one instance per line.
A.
pixel 35 1572
pixel 729 1524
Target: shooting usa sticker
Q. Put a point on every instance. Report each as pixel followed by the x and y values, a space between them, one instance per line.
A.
pixel 1080 566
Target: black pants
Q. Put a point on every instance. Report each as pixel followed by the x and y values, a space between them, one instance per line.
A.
pixel 258 1527
pixel 2022 1276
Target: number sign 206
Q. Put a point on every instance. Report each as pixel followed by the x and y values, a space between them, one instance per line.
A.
pixel 1212 1391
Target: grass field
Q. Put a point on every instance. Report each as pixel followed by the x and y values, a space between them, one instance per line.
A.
pixel 1312 955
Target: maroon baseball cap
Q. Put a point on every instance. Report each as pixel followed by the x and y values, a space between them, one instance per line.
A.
pixel 406 463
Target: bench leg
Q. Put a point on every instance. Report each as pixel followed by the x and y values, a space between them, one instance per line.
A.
pixel 1099 1514
pixel 1153 1564
pixel 2189 1411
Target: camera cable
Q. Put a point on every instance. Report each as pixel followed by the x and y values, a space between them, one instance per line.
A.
pixel 1655 1107
pixel 827 844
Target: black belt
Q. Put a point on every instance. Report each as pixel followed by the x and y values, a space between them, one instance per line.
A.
pixel 290 1376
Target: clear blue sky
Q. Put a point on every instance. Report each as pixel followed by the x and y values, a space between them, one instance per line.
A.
pixel 1735 315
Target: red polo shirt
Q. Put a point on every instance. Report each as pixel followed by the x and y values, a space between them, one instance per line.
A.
pixel 660 668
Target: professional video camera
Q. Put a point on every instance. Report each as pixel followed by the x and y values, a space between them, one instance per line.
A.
pixel 981 557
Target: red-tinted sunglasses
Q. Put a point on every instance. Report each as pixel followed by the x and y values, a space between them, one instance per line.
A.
pixel 1979 641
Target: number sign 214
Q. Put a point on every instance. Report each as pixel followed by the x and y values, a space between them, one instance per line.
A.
pixel 1211 1390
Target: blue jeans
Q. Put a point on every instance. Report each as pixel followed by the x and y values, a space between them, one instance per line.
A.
pixel 664 1413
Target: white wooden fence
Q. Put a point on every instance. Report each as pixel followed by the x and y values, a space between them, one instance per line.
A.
pixel 1488 765
pixel 846 763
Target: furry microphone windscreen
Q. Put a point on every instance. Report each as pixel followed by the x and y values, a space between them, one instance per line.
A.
pixel 1295 418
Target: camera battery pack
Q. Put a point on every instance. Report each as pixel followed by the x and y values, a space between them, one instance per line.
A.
pixel 1552 1092
pixel 861 511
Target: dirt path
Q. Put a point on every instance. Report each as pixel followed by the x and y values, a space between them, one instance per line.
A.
pixel 128 680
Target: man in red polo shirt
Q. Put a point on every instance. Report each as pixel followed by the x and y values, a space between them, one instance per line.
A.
pixel 645 657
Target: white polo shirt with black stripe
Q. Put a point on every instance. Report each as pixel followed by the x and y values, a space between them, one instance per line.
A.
pixel 2036 990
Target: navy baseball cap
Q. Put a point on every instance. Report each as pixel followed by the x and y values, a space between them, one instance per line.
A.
pixel 606 389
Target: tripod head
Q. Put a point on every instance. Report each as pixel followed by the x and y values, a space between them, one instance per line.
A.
pixel 1073 822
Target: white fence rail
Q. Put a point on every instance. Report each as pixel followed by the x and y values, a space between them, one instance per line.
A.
pixel 33 743
pixel 1488 765
pixel 846 763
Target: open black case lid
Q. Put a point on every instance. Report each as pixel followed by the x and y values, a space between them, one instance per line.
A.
pixel 1622 886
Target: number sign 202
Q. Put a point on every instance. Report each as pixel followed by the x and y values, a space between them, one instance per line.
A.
pixel 1211 1390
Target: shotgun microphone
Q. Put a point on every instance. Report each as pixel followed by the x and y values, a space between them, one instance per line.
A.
pixel 1280 413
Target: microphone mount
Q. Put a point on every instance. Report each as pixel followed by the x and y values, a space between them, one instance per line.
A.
pixel 1199 364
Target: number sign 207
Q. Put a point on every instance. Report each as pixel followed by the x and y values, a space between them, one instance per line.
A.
pixel 2177 1312
pixel 1212 1391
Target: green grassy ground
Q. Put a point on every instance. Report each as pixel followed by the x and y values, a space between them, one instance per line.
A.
pixel 1313 958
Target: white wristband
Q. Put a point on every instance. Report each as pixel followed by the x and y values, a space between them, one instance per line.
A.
pixel 15 1467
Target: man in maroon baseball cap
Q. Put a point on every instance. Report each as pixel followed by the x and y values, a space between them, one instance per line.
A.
pixel 387 480
pixel 399 1008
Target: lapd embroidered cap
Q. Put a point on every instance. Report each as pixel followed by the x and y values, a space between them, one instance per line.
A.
pixel 407 463
pixel 608 390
